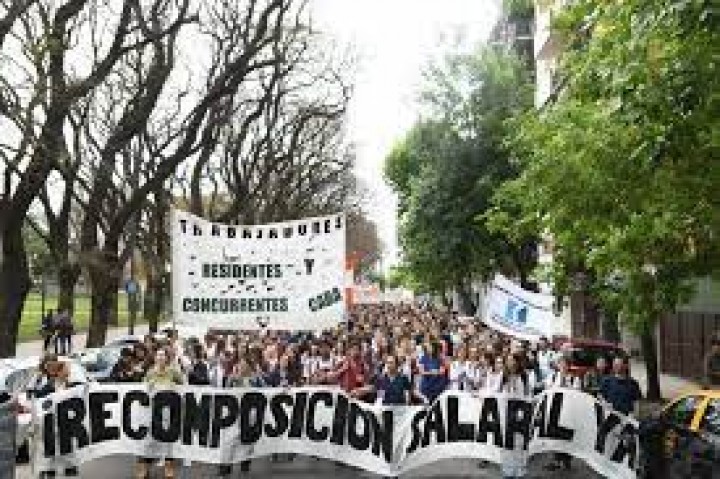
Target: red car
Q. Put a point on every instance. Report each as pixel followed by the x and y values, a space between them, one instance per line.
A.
pixel 583 354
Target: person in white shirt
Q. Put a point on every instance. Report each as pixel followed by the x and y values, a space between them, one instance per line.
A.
pixel 310 361
pixel 458 371
pixel 514 381
pixel 476 370
pixel 545 358
pixel 562 378
pixel 326 363
pixel 494 377
pixel 221 372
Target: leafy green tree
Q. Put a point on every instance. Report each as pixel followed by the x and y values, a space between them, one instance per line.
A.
pixel 623 168
pixel 448 167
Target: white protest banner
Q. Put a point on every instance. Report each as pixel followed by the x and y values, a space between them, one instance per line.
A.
pixel 605 440
pixel 516 312
pixel 287 276
pixel 230 425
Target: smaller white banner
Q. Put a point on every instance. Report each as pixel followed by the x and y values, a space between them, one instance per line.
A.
pixel 287 276
pixel 520 313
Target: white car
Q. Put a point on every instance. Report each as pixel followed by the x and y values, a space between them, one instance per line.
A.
pixel 17 377
pixel 125 340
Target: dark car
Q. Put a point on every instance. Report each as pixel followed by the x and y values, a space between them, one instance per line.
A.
pixel 683 439
pixel 582 354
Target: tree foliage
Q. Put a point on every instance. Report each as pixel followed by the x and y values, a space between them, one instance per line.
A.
pixel 447 168
pixel 622 169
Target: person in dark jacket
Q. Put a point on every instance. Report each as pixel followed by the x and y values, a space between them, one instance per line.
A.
pixel 64 332
pixel 198 372
pixel 123 372
pixel 47 328
pixel 619 389
pixel 392 386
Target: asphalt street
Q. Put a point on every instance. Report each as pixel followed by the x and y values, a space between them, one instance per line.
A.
pixel 121 467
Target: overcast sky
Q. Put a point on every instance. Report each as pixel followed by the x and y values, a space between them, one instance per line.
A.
pixel 395 40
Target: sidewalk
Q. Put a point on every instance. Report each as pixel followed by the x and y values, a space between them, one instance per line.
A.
pixel 670 386
pixel 35 348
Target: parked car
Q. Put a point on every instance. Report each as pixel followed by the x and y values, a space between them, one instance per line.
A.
pixel 99 362
pixel 683 439
pixel 583 354
pixel 125 340
pixel 18 377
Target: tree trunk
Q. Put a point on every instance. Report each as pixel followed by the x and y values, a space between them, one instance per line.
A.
pixel 105 276
pixel 610 327
pixel 161 285
pixel 467 305
pixel 68 275
pixel 153 298
pixel 649 352
pixel 14 288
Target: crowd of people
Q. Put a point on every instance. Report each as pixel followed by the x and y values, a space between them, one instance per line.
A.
pixel 386 354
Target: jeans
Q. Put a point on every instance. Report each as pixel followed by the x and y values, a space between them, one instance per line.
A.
pixel 63 345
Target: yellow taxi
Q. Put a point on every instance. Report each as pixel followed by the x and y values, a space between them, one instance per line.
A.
pixel 683 439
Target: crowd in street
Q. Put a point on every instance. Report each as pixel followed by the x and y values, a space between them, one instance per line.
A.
pixel 386 354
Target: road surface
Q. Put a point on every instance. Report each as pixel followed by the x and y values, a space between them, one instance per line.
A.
pixel 121 467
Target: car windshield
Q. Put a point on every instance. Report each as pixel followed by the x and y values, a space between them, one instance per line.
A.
pixel 101 360
pixel 19 379
pixel 587 357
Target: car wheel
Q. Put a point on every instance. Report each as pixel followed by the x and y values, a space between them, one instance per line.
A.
pixel 23 454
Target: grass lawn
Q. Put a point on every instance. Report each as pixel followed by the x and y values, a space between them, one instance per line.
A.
pixel 32 314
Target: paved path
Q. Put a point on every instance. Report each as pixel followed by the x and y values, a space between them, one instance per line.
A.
pixel 35 348
pixel 670 386
pixel 121 467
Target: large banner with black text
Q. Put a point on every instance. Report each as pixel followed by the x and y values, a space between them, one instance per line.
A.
pixel 287 276
pixel 230 425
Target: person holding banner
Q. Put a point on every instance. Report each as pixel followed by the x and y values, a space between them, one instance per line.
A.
pixel 594 377
pixel 562 379
pixel 493 379
pixel 433 373
pixel 393 387
pixel 353 374
pixel 55 376
pixel 162 374
pixel 620 390
pixel 458 370
pixel 514 381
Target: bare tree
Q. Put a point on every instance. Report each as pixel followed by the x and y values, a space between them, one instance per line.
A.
pixel 244 40
pixel 36 101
